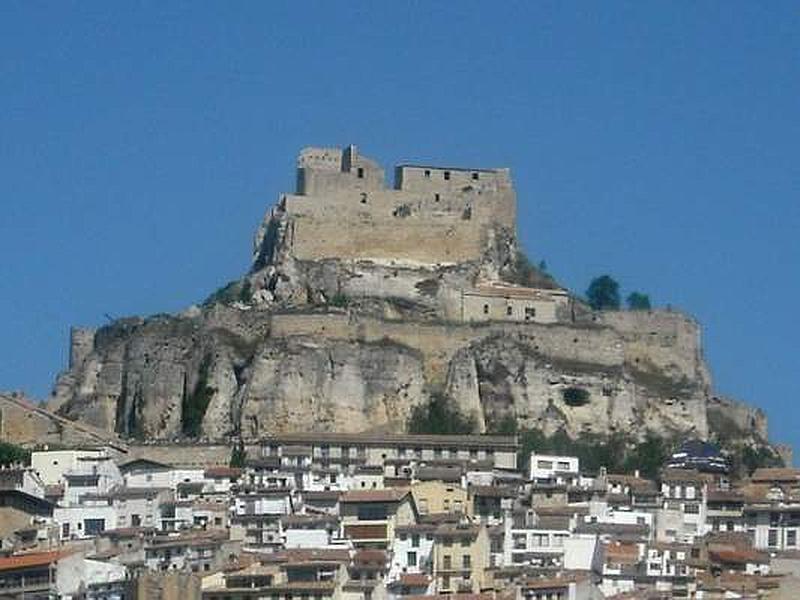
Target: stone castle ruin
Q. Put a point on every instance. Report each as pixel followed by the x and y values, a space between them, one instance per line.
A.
pixel 343 210
pixel 363 300
pixel 429 239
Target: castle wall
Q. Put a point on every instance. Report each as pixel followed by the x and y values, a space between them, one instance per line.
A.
pixel 395 225
pixel 439 342
pixel 342 209
pixel 660 339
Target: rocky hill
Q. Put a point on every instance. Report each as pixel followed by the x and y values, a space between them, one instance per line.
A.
pixel 363 301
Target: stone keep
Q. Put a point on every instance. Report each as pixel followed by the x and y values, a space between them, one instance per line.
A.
pixel 343 209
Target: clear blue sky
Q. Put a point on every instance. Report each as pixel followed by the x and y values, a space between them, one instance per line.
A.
pixel 140 144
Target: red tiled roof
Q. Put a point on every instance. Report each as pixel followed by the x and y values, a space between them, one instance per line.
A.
pixel 765 475
pixel 738 557
pixel 370 556
pixel 414 579
pixel 385 495
pixel 36 559
pixel 222 472
pixel 365 532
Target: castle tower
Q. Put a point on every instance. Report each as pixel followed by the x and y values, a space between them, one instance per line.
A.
pixel 81 344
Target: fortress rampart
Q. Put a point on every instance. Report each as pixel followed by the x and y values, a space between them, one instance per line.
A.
pixel 671 342
pixel 343 209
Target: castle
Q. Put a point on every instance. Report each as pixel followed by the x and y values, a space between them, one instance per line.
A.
pixel 364 299
pixel 432 218
pixel 343 209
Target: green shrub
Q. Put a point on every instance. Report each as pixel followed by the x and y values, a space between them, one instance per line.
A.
pixel 339 300
pixel 11 454
pixel 238 456
pixel 575 396
pixel 438 416
pixel 617 452
pixel 194 405
pixel 603 293
pixel 638 301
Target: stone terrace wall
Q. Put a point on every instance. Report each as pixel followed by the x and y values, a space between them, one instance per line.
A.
pixel 439 342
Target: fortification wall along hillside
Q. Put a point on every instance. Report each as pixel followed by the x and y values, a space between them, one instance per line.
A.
pixel 439 342
pixel 190 456
pixel 660 340
pixel 664 340
pixel 24 423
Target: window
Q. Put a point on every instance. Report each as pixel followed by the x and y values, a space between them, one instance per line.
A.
pixel 436 197
pixel 360 172
pixel 486 309
pixel 94 526
pixel 65 530
pixel 447 562
pixel 415 540
pixel 427 173
pixel 791 537
pixel 369 512
pixel 466 562
pixel 475 177
pixel 691 509
pixel 544 464
pixel 411 559
pixel 563 465
pixel 447 175
pixel 363 197
pixel 509 311
pixel 772 538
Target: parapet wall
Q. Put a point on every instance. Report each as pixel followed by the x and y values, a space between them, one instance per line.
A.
pixel 662 339
pixel 658 340
pixel 439 342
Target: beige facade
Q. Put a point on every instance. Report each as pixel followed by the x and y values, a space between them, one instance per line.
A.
pixel 461 558
pixel 441 497
pixel 502 302
pixel 340 448
pixel 369 517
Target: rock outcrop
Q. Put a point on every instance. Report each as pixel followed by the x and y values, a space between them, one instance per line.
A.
pixel 325 333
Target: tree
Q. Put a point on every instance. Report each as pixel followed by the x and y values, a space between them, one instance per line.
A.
pixel 11 454
pixel 440 417
pixel 238 456
pixel 603 293
pixel 638 301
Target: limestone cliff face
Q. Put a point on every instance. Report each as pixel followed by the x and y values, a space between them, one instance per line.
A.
pixel 353 313
pixel 249 372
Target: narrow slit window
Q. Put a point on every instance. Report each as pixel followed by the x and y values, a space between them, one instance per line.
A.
pixel 360 172
pixel 447 175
